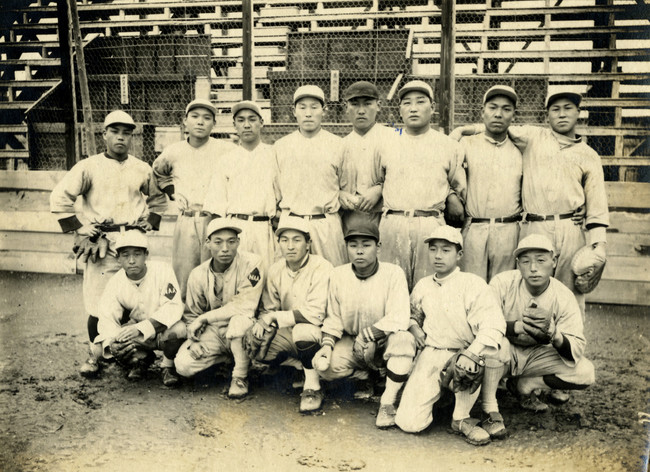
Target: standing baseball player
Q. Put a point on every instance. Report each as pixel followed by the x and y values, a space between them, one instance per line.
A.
pixel 544 326
pixel 422 175
pixel 246 186
pixel 367 320
pixel 313 176
pixel 140 311
pixel 454 316
pixel 222 296
pixel 361 147
pixel 118 192
pixel 494 172
pixel 293 303
pixel 183 171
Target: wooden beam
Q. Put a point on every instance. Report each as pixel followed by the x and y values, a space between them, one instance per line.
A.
pixel 247 50
pixel 446 87
pixel 67 84
pixel 628 195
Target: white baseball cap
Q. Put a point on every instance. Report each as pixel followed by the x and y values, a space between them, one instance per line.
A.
pixel 118 117
pixel 134 238
pixel 289 222
pixel 501 90
pixel 221 224
pixel 447 233
pixel 574 97
pixel 201 103
pixel 418 86
pixel 246 105
pixel 534 242
pixel 309 91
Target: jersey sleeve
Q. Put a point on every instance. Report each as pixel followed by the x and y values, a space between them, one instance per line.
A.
pixel 196 300
pixel 456 176
pixel 110 314
pixel 568 321
pixel 597 217
pixel 315 305
pixel 163 169
pixel 417 313
pixel 271 300
pixel 346 177
pixel 397 313
pixel 62 199
pixel 522 134
pixel 485 317
pixel 156 200
pixel 170 309
pixel 333 323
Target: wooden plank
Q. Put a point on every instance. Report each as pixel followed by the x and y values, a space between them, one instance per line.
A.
pixel 615 102
pixel 628 222
pixel 22 105
pixel 43 262
pixel 628 268
pixel 628 244
pixel 14 153
pixel 32 62
pixel 625 161
pixel 628 195
pixel 13 128
pixel 504 34
pixel 44 83
pixel 32 180
pixel 524 54
pixel 620 292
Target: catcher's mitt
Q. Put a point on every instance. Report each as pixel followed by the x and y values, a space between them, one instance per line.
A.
pixel 369 352
pixel 462 379
pixel 257 348
pixel 90 247
pixel 539 324
pixel 123 352
pixel 588 266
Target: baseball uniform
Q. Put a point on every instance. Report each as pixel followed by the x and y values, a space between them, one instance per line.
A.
pixel 312 173
pixel 493 207
pixel 456 312
pixel 185 171
pixel 113 194
pixel 246 187
pixel 418 174
pixel 233 294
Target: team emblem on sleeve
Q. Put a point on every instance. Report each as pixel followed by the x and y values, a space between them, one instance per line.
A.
pixel 170 292
pixel 254 277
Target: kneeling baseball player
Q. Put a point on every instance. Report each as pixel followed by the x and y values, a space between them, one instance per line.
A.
pixel 458 324
pixel 367 319
pixel 222 296
pixel 140 311
pixel 293 308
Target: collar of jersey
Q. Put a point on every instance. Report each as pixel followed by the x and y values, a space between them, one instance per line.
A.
pixel 441 281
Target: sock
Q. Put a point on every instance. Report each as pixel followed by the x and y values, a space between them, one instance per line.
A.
pixel 397 369
pixel 241 358
pixel 312 380
pixel 464 403
pixel 96 350
pixel 166 362
pixel 390 393
pixel 526 385
pixel 491 378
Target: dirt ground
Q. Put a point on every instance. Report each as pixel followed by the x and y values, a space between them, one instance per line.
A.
pixel 52 419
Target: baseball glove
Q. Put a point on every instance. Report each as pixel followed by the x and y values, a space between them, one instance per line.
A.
pixel 368 351
pixel 462 379
pixel 588 266
pixel 257 348
pixel 539 324
pixel 123 351
pixel 90 247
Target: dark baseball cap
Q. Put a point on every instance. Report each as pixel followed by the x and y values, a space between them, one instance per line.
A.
pixel 361 89
pixel 565 94
pixel 502 90
pixel 361 228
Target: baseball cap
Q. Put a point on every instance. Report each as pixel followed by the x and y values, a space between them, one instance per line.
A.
pixel 534 242
pixel 309 91
pixel 574 97
pixel 118 117
pixel 221 224
pixel 289 222
pixel 447 233
pixel 500 90
pixel 134 238
pixel 416 85
pixel 246 105
pixel 361 88
pixel 361 228
pixel 201 103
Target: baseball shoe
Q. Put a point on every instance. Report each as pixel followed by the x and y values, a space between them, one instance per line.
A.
pixel 137 372
pixel 529 402
pixel 90 369
pixel 310 400
pixel 471 431
pixel 558 396
pixel 365 389
pixel 493 424
pixel 238 388
pixel 170 377
pixel 385 416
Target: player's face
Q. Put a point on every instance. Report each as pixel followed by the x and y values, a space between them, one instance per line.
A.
pixel 362 112
pixel 308 113
pixel 536 267
pixel 444 257
pixel 563 116
pixel 416 110
pixel 362 252
pixel 294 246
pixel 133 261
pixel 223 246
pixel 199 122
pixel 248 125
pixel 118 139
pixel 498 113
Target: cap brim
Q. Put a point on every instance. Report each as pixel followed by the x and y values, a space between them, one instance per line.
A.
pixel 361 234
pixel 519 251
pixel 130 125
pixel 280 231
pixel 503 93
pixel 572 96
pixel 430 239
pixel 310 96
pixel 402 93
pixel 237 230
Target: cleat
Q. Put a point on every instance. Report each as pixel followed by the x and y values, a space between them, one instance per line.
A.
pixel 169 377
pixel 557 396
pixel 238 388
pixel 493 424
pixel 90 369
pixel 310 400
pixel 385 416
pixel 532 403
pixel 136 373
pixel 471 431
pixel 365 389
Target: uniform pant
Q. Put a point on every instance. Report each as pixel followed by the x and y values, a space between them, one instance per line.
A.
pixel 350 217
pixel 344 362
pixel 488 248
pixel 96 276
pixel 216 340
pixel 403 244
pixel 567 238
pixel 188 247
pixel 284 344
pixel 543 360
pixel 327 238
pixel 258 238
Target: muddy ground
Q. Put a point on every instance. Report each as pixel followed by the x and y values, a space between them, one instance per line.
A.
pixel 52 419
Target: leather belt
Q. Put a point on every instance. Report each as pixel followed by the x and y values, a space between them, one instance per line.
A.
pixel 119 228
pixel 415 213
pixel 254 218
pixel 512 218
pixel 311 217
pixel 542 218
pixel 195 213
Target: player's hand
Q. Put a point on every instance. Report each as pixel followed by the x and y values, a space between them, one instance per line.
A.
pixel 456 133
pixel 196 328
pixel 197 350
pixel 122 352
pixel 89 230
pixel 322 359
pixel 420 336
pixel 181 201
pixel 348 201
pixel 128 333
pixel 579 214
pixel 259 328
pixel 467 364
pixel 145 225
pixel 369 198
pixel 455 208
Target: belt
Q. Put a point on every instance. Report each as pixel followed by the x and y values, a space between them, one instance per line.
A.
pixel 254 218
pixel 195 213
pixel 512 218
pixel 541 218
pixel 119 228
pixel 311 217
pixel 415 213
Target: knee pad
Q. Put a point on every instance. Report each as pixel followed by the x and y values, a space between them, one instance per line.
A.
pixel 306 352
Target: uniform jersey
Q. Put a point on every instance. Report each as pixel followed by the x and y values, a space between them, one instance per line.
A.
pixel 354 304
pixel 156 295
pixel 510 288
pixel 189 169
pixel 303 292
pixel 457 311
pixel 245 183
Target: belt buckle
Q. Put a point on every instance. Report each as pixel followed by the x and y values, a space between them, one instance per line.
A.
pixel 524 218
pixel 409 213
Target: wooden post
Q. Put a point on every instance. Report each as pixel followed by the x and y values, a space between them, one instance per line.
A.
pixel 67 83
pixel 247 49
pixel 446 89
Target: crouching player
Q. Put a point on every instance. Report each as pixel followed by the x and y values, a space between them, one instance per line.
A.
pixel 453 313
pixel 367 319
pixel 140 310
pixel 222 296
pixel 544 325
pixel 293 303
